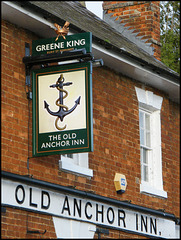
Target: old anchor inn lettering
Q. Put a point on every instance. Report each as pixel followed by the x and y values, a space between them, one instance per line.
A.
pixel 82 209
pixel 90 123
pixel 62 141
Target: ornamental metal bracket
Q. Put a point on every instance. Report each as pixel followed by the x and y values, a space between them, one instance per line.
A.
pixel 76 54
pixel 33 231
pixel 103 231
pixel 36 232
pixel 44 60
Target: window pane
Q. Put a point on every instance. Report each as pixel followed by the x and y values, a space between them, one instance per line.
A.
pixel 142 138
pixel 148 143
pixel 147 121
pixel 145 156
pixel 141 154
pixel 141 119
pixel 68 155
pixel 144 164
pixel 145 173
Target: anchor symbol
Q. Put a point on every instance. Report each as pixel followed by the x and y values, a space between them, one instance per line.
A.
pixel 63 110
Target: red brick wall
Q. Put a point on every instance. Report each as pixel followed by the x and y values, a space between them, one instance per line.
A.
pixel 142 16
pixel 116 140
pixel 170 118
pixel 15 224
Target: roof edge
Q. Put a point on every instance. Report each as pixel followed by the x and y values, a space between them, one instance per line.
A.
pixel 107 45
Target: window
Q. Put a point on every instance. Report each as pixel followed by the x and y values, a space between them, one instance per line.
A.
pixel 145 144
pixel 150 143
pixel 76 163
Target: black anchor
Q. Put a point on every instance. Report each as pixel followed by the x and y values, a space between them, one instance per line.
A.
pixel 63 110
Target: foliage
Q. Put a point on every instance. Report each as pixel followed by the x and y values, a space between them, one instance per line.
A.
pixel 170 34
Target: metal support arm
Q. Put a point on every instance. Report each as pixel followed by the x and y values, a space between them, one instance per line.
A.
pixel 79 54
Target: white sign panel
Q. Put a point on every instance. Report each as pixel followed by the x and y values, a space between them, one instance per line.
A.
pixel 63 205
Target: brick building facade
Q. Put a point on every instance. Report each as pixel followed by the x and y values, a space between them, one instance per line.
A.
pixel 118 102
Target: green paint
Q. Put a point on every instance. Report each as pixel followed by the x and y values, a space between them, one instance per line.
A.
pixel 49 45
pixel 70 141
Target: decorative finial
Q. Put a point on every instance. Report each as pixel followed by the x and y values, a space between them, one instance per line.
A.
pixel 61 31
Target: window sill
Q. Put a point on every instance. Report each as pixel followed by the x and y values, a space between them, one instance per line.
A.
pixel 147 189
pixel 75 169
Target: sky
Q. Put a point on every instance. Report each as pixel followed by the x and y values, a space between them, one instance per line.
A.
pixel 95 7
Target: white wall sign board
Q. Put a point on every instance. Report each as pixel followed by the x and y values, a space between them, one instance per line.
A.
pixel 72 207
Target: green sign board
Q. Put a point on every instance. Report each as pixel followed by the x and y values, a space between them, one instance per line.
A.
pixel 49 45
pixel 62 109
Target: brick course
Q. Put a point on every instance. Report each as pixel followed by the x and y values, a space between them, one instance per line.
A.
pixel 116 140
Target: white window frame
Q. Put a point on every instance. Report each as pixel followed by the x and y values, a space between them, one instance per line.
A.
pixel 151 103
pixel 146 147
pixel 78 164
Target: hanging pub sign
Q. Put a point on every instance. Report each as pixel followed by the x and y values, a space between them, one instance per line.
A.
pixel 56 45
pixel 62 109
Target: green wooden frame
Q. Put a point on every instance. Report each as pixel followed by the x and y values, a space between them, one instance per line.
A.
pixel 43 144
